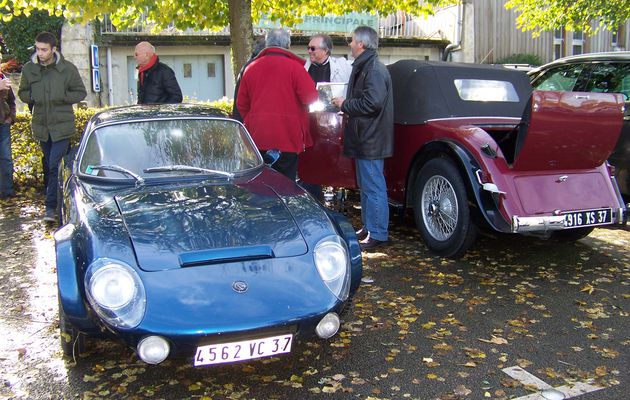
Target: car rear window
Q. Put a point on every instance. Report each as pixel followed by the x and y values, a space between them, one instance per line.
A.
pixel 486 90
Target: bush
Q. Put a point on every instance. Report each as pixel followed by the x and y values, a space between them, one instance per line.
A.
pixel 521 58
pixel 27 154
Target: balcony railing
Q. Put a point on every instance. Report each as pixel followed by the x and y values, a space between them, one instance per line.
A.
pixel 441 26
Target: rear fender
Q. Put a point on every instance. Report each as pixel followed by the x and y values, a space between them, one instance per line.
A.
pixel 484 207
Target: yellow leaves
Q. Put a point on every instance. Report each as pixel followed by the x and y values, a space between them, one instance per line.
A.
pixel 428 361
pixel 588 288
pixel 495 340
pixel 474 353
pixel 605 352
pixel 461 391
pixel 550 372
pixel 601 371
pixel 91 378
pixel 443 346
pixel 469 364
pixel 194 387
pixel 428 325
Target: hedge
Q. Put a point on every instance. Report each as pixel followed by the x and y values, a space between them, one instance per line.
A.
pixel 27 154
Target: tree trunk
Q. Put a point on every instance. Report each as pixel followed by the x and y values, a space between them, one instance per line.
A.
pixel 241 32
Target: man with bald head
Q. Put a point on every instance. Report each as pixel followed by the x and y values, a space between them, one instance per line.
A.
pixel 156 81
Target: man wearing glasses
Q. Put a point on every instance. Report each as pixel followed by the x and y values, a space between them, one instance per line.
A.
pixel 321 66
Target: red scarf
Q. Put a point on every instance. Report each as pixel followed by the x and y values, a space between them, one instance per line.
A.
pixel 145 67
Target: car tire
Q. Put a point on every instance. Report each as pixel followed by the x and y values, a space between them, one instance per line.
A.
pixel 572 235
pixel 440 196
pixel 72 341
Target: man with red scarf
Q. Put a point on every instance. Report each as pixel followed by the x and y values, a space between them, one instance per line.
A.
pixel 156 81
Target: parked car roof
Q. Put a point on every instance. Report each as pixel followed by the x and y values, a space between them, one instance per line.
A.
pixel 586 57
pixel 425 90
pixel 126 113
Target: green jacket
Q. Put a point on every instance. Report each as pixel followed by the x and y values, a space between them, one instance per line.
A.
pixel 51 90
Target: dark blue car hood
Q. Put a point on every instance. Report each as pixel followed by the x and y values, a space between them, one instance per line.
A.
pixel 188 226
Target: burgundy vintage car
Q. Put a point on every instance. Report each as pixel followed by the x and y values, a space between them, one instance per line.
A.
pixel 476 147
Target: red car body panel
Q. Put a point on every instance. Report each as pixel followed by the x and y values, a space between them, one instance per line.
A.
pixel 324 162
pixel 570 130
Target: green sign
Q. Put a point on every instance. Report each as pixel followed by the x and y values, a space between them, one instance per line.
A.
pixel 328 23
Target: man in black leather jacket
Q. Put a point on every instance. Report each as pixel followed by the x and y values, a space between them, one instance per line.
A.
pixel 369 134
pixel 156 81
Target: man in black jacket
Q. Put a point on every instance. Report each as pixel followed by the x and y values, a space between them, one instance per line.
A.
pixel 369 134
pixel 156 81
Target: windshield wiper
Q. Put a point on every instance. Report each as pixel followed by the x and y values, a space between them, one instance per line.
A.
pixel 187 168
pixel 117 168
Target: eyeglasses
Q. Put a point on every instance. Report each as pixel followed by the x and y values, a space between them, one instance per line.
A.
pixel 311 48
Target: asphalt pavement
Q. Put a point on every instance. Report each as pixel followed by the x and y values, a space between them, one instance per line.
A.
pixel 516 318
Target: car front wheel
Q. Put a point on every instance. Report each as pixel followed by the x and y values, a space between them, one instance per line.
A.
pixel 441 209
pixel 72 341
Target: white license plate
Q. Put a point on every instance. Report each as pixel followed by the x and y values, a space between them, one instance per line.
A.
pixel 588 218
pixel 243 350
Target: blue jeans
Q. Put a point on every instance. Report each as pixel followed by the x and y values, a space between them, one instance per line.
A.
pixel 374 207
pixel 53 153
pixel 6 161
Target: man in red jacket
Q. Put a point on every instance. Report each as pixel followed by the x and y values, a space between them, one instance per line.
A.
pixel 273 100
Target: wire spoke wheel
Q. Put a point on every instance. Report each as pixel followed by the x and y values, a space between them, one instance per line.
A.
pixel 439 205
pixel 441 209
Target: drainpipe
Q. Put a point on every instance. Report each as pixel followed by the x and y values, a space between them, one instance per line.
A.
pixel 458 33
pixel 110 78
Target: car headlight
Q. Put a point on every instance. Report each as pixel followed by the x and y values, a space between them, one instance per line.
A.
pixel 116 292
pixel 333 265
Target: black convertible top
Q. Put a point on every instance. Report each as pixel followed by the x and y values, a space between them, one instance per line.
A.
pixel 425 90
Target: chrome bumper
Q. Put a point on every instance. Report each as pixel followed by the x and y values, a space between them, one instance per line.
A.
pixel 537 224
pixel 556 222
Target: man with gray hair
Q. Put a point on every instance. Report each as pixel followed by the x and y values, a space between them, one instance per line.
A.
pixel 369 134
pixel 321 66
pixel 273 99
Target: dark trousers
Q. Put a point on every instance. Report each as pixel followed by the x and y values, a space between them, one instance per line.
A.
pixel 53 153
pixel 286 164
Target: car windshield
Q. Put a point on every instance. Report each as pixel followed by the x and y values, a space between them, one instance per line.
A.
pixel 169 147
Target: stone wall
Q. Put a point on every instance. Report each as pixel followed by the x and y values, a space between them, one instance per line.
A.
pixel 75 47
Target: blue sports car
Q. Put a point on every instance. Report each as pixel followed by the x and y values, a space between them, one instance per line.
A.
pixel 176 238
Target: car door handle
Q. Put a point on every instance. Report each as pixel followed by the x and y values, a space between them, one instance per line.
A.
pixel 581 96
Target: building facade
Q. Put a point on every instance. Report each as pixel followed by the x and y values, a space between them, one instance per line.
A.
pixel 476 31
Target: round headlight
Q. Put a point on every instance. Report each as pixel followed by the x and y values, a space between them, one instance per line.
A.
pixel 112 286
pixel 115 291
pixel 330 258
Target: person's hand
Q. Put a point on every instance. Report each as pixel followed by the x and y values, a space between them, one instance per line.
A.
pixel 5 84
pixel 338 101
